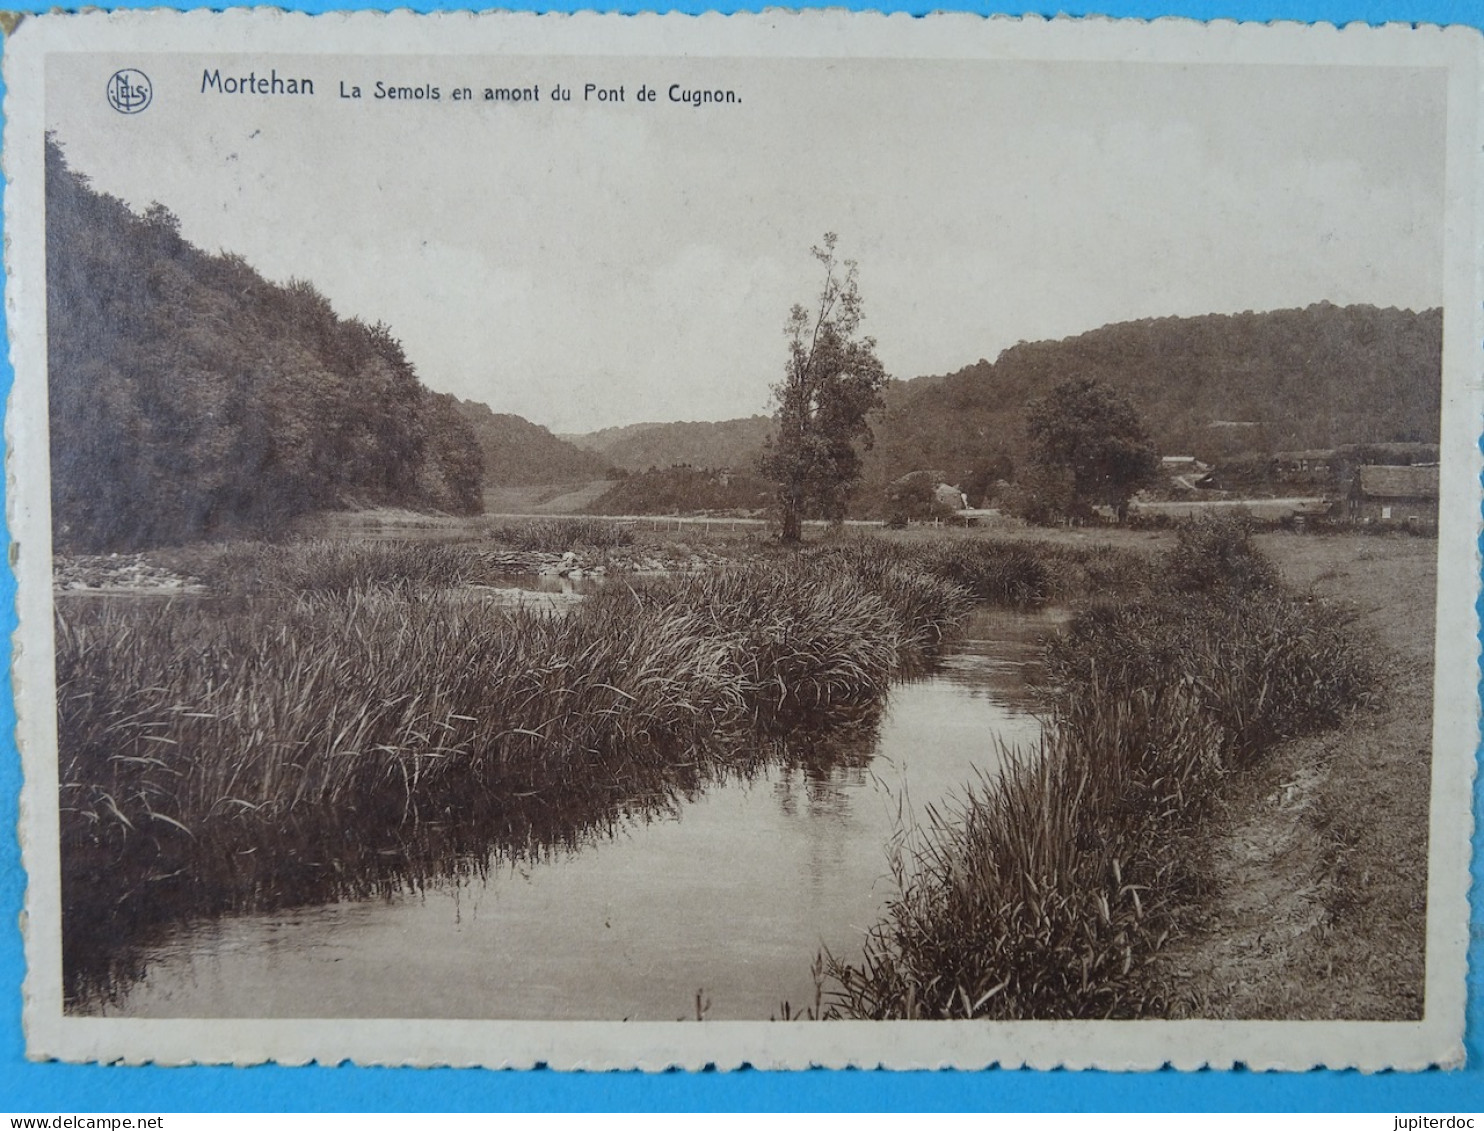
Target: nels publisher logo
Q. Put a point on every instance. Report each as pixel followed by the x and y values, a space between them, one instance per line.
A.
pixel 129 91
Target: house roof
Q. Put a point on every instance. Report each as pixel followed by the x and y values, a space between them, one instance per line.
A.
pixel 1378 481
pixel 1310 454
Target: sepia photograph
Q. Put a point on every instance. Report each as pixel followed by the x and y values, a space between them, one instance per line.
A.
pixel 548 523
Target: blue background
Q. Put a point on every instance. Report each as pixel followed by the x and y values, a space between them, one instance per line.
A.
pixel 71 1088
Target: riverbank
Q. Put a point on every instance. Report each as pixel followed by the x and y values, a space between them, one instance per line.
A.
pixel 1056 888
pixel 1316 907
pixel 338 720
pixel 717 903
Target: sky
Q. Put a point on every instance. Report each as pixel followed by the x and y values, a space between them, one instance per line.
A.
pixel 589 264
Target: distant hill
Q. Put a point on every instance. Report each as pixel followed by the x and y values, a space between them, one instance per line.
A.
pixel 1211 386
pixel 684 490
pixel 1215 386
pixel 518 453
pixel 638 447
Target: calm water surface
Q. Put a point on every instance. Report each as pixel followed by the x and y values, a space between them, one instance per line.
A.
pixel 731 896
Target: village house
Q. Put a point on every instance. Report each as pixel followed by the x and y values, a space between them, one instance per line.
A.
pixel 1405 496
pixel 1186 472
pixel 950 497
pixel 1309 462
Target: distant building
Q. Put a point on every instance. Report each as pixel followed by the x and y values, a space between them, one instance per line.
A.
pixel 1310 461
pixel 1400 495
pixel 951 497
pixel 1186 472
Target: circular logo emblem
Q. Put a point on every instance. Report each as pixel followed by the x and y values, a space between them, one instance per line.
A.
pixel 129 91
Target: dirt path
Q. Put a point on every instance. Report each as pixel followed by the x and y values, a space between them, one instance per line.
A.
pixel 1318 902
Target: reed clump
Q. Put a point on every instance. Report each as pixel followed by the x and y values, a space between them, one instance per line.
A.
pixel 1052 888
pixel 558 535
pixel 249 569
pixel 1020 575
pixel 1217 555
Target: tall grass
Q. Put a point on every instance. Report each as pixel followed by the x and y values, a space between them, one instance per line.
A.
pixel 1009 574
pixel 558 535
pixel 367 731
pixel 246 568
pixel 1053 886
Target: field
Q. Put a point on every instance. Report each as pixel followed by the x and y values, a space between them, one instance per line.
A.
pixel 570 498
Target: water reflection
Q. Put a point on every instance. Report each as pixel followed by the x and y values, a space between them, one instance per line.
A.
pixel 729 891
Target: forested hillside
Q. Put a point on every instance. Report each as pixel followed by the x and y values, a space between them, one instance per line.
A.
pixel 1212 386
pixel 518 453
pixel 638 447
pixel 684 490
pixel 190 397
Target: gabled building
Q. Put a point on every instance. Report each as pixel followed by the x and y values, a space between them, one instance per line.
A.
pixel 1400 495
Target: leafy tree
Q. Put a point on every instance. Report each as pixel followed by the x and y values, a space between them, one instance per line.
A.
pixel 1041 494
pixel 833 379
pixel 453 474
pixel 1094 432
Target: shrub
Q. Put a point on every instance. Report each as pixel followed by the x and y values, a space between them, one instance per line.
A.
pixel 1217 554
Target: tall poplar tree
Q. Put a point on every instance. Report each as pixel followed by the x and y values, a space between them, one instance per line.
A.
pixel 832 381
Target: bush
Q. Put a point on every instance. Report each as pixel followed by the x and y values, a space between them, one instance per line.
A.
pixel 1214 555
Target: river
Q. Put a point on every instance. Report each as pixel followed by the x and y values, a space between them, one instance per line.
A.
pixel 717 908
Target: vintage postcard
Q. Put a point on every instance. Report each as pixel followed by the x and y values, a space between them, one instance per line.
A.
pixel 787 539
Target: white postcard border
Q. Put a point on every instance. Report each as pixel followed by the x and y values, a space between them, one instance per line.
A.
pixel 654 1046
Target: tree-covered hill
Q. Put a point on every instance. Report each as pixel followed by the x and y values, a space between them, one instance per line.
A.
pixel 1212 386
pixel 519 453
pixel 734 444
pixel 683 489
pixel 191 398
